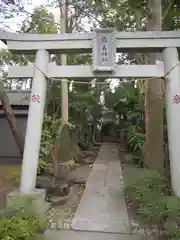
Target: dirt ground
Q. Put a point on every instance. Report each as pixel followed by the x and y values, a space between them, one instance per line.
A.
pixel 61 215
pixel 9 180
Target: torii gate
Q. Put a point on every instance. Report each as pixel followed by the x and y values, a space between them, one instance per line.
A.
pixel 103 43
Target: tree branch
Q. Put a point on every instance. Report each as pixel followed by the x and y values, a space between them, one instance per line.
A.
pixel 167 10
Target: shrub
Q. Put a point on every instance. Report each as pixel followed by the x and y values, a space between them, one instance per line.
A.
pixel 21 222
pixel 144 185
pixel 134 138
pixel 145 190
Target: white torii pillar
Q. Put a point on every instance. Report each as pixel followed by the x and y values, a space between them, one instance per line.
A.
pixel 171 60
pixel 34 124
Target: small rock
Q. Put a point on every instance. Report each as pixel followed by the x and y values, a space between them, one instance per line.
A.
pixel 149 231
pixel 58 200
pixel 68 221
pixel 53 225
pixel 140 232
pixel 66 226
pixel 134 224
pixel 73 197
pixel 60 225
pixel 89 160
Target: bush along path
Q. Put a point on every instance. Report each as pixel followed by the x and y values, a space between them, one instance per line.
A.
pixel 147 189
pixel 156 212
pixel 21 221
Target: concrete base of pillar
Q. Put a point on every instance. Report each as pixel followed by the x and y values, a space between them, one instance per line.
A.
pixel 38 199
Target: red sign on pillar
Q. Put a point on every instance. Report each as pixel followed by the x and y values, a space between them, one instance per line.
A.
pixel 176 99
pixel 35 98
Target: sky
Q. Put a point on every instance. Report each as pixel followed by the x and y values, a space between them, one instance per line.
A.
pixel 14 23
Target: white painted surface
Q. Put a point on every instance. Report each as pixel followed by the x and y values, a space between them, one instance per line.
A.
pixel 34 125
pixel 67 46
pixel 84 72
pixel 64 83
pixel 170 56
pixel 82 42
pixel 104 50
pixel 85 46
pixel 64 97
pixel 82 36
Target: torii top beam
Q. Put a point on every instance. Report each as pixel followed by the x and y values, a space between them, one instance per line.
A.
pixel 150 41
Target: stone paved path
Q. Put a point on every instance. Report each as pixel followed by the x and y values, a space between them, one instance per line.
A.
pixel 102 212
pixel 82 235
pixel 103 207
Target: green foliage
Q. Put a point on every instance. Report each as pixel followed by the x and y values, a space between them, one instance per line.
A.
pixel 145 191
pixel 135 138
pixel 50 131
pixel 128 105
pixel 85 111
pixel 22 221
pixel 48 137
pixel 143 184
pixel 41 21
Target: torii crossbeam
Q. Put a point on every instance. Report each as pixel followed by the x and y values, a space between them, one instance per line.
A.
pixel 103 44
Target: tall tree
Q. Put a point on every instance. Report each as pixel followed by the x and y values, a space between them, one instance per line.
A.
pixel 41 21
pixel 154 144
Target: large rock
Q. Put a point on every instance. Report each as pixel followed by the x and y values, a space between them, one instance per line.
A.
pixel 52 187
pixel 61 171
pixel 64 145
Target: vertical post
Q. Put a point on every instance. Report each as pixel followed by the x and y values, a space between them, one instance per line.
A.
pixel 34 124
pixel 170 57
pixel 64 82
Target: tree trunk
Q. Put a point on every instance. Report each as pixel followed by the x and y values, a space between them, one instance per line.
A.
pixel 12 121
pixel 154 143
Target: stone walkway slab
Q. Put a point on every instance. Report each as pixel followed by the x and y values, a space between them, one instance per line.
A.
pixel 80 235
pixel 103 207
